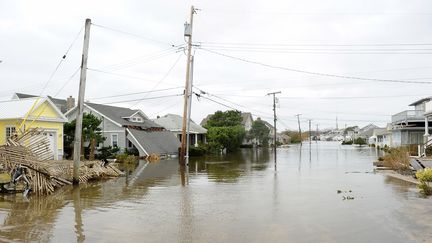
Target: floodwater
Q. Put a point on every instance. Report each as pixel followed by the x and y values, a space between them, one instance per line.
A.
pixel 241 198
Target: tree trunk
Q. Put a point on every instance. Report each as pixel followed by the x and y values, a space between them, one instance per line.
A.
pixel 92 149
pixel 82 148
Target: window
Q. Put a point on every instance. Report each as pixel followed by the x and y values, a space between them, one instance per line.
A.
pixel 114 140
pixel 10 131
pixel 136 119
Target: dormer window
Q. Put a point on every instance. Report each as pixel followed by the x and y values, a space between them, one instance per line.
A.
pixel 136 119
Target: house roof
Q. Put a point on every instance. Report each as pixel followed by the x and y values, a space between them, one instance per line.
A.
pixel 18 109
pixel 158 142
pixel 420 101
pixel 118 114
pixel 60 103
pixel 367 130
pixel 245 117
pixel 380 131
pixel 174 122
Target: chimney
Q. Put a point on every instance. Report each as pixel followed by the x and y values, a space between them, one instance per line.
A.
pixel 70 103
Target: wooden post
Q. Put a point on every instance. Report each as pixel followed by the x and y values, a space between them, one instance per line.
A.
pixel 274 120
pixel 80 105
pixel 185 105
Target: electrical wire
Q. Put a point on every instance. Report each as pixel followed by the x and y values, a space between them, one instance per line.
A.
pixel 163 78
pixel 67 82
pixel 149 98
pixel 120 75
pixel 313 72
pixel 133 34
pixel 129 94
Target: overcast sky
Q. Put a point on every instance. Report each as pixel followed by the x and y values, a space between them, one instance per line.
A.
pixel 372 39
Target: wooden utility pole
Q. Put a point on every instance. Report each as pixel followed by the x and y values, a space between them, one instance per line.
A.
pixel 188 33
pixel 274 120
pixel 189 111
pixel 316 135
pixel 299 128
pixel 310 132
pixel 80 105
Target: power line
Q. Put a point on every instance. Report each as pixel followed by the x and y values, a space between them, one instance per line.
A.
pixel 67 81
pixel 313 72
pixel 147 58
pixel 163 78
pixel 149 98
pixel 311 44
pixel 129 94
pixel 61 61
pixel 133 34
pixel 119 75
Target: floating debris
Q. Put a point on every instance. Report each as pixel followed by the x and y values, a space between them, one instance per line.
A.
pixel 29 157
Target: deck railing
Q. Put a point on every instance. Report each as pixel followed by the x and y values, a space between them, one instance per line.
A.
pixel 408 115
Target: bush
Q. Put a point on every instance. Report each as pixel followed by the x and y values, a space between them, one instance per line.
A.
pixel 132 151
pixel 397 159
pixel 107 152
pixel 197 151
pixel 360 141
pixel 425 178
pixel 349 142
pixel 125 158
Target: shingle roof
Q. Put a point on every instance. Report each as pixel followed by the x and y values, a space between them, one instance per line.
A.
pixel 157 142
pixel 60 103
pixel 420 101
pixel 174 123
pixel 117 114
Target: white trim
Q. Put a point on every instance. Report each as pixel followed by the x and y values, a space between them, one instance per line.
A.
pixel 112 140
pixel 136 140
pixel 141 112
pixel 113 131
pixel 94 110
pixel 6 127
pixel 63 117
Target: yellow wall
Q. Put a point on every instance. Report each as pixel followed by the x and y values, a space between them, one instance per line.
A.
pixel 51 126
pixel 44 110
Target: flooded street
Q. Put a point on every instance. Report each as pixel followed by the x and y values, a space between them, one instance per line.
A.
pixel 240 198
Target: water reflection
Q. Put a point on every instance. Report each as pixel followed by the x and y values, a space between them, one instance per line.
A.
pixel 237 198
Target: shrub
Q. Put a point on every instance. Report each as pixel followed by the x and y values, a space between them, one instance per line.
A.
pixel 125 158
pixel 360 141
pixel 197 151
pixel 397 159
pixel 349 142
pixel 425 178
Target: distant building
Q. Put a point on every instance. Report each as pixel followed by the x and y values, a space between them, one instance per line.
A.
pixel 174 123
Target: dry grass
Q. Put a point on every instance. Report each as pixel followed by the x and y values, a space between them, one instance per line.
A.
pixel 397 159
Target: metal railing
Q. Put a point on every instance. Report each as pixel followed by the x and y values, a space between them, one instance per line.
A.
pixel 408 115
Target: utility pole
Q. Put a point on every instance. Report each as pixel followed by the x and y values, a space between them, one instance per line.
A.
pixel 80 105
pixel 274 120
pixel 337 126
pixel 187 33
pixel 298 120
pixel 310 132
pixel 189 111
pixel 316 135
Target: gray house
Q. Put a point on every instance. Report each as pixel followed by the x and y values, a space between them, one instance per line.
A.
pixel 408 127
pixel 127 128
pixel 174 123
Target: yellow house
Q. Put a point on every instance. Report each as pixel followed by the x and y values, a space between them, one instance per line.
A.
pixel 37 112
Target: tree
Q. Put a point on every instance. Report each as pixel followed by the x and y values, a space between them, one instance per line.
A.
pixel 260 132
pixel 90 133
pixel 224 119
pixel 360 141
pixel 229 138
pixel 224 130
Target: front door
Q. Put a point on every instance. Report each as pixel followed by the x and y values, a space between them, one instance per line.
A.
pixel 52 143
